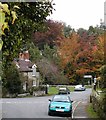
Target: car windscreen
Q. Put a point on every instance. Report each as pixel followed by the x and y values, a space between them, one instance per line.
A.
pixel 61 99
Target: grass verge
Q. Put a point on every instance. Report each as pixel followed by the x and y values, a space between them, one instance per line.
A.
pixel 54 90
pixel 91 112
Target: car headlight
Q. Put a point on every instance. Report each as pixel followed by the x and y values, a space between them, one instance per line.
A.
pixel 67 107
pixel 52 106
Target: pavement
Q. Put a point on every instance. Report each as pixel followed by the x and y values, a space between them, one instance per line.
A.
pixel 80 111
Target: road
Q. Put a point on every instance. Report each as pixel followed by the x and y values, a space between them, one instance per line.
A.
pixel 37 107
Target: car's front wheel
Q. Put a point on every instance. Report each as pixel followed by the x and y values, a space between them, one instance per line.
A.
pixel 49 113
pixel 70 114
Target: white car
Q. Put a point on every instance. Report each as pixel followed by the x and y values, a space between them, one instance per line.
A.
pixel 79 88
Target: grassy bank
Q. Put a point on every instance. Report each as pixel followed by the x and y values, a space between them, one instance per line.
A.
pixel 91 112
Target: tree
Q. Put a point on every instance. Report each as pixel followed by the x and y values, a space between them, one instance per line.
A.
pixel 4 25
pixel 67 30
pixel 4 10
pixel 30 18
pixel 53 33
pixel 50 72
pixel 35 53
pixel 51 54
pixel 98 50
pixel 85 59
pixel 103 76
pixel 67 50
pixel 81 53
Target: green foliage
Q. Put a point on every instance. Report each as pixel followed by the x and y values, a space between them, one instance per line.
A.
pixel 35 53
pixel 53 90
pixel 30 18
pixel 11 80
pixel 72 81
pixel 51 54
pixel 69 69
pixel 40 88
pixel 48 65
pixel 48 52
pixel 91 112
pixel 102 110
pixel 67 30
pixel 95 30
pixel 103 76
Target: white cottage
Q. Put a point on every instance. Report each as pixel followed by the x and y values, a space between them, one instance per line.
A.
pixel 28 69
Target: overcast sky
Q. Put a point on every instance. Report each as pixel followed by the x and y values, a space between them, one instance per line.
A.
pixel 79 13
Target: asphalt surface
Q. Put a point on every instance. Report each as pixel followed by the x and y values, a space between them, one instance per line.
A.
pixel 80 111
pixel 37 107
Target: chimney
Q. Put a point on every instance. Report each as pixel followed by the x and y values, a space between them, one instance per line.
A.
pixel 26 55
pixel 21 56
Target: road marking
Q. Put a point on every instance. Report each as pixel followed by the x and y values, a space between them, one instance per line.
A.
pixel 75 108
pixel 19 102
pixel 74 102
pixel 80 117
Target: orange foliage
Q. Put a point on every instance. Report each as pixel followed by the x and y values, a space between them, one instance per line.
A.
pixel 82 71
pixel 85 54
pixel 98 51
pixel 68 49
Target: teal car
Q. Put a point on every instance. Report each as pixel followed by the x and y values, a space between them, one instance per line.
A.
pixel 60 104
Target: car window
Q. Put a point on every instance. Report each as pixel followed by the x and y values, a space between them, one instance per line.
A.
pixel 61 99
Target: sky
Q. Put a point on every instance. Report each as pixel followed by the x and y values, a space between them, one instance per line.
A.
pixel 78 13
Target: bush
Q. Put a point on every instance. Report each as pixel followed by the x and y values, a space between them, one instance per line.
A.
pixel 103 76
pixel 39 88
pixel 98 96
pixel 11 80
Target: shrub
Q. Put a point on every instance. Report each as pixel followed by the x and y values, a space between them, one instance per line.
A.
pixel 11 80
pixel 39 88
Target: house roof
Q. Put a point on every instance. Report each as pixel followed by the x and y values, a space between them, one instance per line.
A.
pixel 25 66
pixel 23 63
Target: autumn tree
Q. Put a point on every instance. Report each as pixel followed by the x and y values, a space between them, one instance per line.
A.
pixel 85 59
pixel 67 50
pixel 90 56
pixel 50 34
pixel 98 51
pixel 79 53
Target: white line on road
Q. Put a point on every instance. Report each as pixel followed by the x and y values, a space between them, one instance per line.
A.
pixel 75 107
pixel 19 102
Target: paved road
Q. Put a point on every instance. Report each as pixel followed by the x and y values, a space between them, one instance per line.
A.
pixel 37 107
